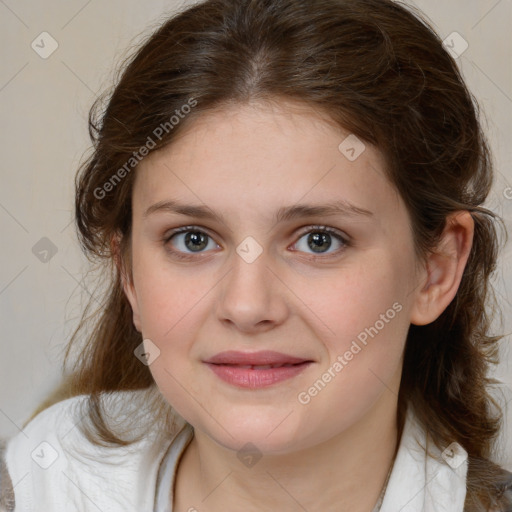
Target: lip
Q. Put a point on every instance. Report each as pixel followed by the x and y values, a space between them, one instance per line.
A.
pixel 263 357
pixel 253 371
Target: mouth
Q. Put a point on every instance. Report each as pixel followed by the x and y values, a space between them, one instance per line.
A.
pixel 261 366
pixel 256 370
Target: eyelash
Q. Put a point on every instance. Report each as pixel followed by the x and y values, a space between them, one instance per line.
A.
pixel 310 229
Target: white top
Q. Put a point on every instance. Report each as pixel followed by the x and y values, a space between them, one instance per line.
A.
pixel 54 468
pixel 164 489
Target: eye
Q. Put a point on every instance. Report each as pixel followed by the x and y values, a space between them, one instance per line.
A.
pixel 319 239
pixel 189 240
pixel 186 241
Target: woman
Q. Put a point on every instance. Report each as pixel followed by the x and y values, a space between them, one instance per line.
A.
pixel 289 197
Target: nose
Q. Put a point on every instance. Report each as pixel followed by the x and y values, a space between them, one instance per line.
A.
pixel 251 296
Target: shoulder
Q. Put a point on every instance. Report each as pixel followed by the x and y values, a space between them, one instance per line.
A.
pixel 487 485
pixel 60 426
pixel 37 445
pixel 52 460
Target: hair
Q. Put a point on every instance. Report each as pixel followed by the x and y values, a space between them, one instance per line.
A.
pixel 378 70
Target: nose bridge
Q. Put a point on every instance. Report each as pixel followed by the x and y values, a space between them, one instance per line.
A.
pixel 250 295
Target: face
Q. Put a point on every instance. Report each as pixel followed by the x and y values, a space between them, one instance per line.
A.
pixel 265 229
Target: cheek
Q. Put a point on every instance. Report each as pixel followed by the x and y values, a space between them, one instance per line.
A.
pixel 167 295
pixel 369 324
pixel 366 312
pixel 368 297
pixel 173 306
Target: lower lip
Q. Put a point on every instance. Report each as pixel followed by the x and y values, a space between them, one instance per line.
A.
pixel 253 379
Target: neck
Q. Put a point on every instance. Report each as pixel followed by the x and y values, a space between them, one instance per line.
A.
pixel 345 473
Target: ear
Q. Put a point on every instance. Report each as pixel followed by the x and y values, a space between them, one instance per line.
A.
pixel 126 279
pixel 444 269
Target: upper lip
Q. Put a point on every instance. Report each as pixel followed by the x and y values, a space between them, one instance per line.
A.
pixel 264 357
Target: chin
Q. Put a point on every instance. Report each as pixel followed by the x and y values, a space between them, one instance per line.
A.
pixel 268 434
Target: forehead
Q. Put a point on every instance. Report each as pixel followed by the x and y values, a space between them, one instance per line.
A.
pixel 262 156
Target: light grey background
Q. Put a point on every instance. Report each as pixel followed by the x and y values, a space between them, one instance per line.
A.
pixel 44 105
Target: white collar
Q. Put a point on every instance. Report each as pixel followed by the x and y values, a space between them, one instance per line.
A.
pixel 418 483
pixel 423 483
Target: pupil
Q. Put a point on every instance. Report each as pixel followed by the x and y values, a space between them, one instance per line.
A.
pixel 319 240
pixel 198 241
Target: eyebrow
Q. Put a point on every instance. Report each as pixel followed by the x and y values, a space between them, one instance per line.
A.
pixel 287 213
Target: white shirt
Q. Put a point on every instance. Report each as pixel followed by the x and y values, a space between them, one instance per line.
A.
pixel 54 468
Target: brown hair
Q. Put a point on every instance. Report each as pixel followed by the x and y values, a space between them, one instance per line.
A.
pixel 380 72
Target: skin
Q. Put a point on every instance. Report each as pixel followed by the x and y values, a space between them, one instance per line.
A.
pixel 245 163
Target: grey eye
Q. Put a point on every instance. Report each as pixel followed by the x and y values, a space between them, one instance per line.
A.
pixel 192 241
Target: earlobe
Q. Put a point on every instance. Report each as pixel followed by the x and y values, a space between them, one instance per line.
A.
pixel 444 269
pixel 126 280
